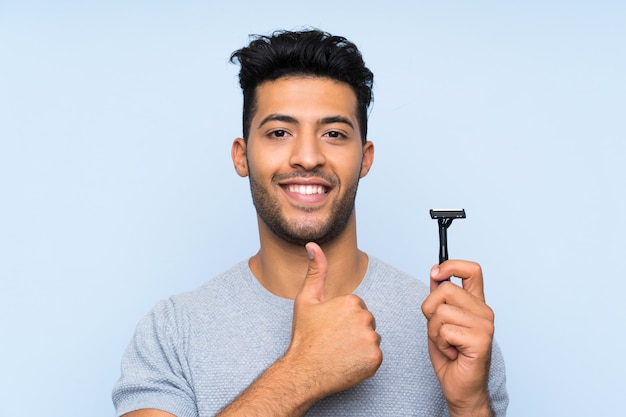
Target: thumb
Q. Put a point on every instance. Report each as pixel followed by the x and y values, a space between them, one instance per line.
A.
pixel 315 280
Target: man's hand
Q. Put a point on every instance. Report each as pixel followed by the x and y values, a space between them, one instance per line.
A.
pixel 334 342
pixel 460 332
pixel 334 346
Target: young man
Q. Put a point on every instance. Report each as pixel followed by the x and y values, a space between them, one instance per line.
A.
pixel 310 324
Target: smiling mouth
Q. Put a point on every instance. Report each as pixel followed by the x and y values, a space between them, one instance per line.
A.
pixel 307 189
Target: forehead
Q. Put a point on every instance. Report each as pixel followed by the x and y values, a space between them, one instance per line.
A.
pixel 305 96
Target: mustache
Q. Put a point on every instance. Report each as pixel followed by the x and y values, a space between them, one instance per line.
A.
pixel 317 173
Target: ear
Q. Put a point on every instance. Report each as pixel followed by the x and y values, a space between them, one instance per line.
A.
pixel 238 154
pixel 368 158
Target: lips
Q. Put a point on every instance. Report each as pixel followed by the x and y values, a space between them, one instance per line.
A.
pixel 306 189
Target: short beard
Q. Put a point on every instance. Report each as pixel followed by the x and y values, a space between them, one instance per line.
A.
pixel 269 210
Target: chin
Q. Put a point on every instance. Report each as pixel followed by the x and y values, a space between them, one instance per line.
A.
pixel 302 237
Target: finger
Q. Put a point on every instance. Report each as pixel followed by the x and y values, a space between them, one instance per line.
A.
pixel 450 352
pixel 314 283
pixel 436 279
pixel 453 296
pixel 453 330
pixel 469 272
pixel 470 342
pixel 446 314
pixel 440 343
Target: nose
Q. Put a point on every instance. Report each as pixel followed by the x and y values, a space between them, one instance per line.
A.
pixel 307 152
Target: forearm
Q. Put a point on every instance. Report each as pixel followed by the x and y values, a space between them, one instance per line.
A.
pixel 279 391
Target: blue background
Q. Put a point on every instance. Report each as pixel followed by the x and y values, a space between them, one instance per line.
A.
pixel 117 189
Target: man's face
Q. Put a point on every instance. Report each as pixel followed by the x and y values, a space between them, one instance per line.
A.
pixel 304 157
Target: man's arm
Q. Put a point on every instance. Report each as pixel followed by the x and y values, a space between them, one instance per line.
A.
pixel 460 332
pixel 334 346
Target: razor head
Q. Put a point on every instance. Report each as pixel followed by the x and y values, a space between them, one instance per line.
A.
pixel 444 218
pixel 447 213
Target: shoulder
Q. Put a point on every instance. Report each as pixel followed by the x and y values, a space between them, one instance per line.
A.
pixel 231 281
pixel 224 288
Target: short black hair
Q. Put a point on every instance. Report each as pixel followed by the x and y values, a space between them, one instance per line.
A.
pixel 310 52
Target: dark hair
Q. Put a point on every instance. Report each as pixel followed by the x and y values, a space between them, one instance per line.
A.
pixel 307 52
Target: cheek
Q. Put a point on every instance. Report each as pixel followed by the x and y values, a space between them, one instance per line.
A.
pixel 348 167
pixel 264 163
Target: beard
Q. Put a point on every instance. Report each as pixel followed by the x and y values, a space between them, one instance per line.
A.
pixel 305 230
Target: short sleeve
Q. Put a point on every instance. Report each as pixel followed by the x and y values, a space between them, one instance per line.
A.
pixel 497 383
pixel 153 371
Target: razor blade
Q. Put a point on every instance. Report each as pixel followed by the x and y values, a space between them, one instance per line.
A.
pixel 444 218
pixel 450 214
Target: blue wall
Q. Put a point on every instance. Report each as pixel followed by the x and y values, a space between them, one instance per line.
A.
pixel 117 190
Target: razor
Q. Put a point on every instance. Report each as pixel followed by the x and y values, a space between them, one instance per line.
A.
pixel 444 218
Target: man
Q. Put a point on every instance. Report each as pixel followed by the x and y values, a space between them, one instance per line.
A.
pixel 310 324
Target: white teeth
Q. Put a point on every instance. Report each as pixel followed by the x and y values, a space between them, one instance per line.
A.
pixel 306 189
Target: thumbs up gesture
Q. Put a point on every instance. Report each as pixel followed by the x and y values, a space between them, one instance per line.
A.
pixel 334 343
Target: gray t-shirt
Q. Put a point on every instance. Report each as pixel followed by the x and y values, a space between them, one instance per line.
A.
pixel 195 352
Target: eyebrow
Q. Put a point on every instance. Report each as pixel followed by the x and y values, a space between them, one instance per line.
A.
pixel 336 119
pixel 278 118
pixel 290 119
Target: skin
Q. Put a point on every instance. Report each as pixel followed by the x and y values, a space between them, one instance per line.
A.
pixel 305 133
pixel 308 127
pixel 460 333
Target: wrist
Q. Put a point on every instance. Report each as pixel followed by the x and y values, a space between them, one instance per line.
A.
pixel 480 408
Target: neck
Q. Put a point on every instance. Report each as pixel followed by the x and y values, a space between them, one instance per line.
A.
pixel 281 267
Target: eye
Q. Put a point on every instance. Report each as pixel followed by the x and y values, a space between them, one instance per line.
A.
pixel 335 134
pixel 279 133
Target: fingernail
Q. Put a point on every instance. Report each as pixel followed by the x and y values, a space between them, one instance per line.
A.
pixel 434 271
pixel 310 253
